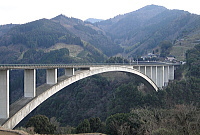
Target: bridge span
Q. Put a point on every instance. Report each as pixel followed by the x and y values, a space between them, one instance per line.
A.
pixel 153 75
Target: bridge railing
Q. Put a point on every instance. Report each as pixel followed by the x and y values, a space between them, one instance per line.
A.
pixel 35 66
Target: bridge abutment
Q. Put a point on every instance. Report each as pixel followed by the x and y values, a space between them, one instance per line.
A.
pixel 4 94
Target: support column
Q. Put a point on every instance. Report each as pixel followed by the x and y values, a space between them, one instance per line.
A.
pixel 171 72
pixel 160 76
pixel 51 76
pixel 142 69
pixel 136 67
pixel 154 74
pixel 149 71
pixel 29 83
pixel 166 75
pixel 69 71
pixel 4 94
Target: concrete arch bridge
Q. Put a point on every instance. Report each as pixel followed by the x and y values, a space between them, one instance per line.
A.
pixel 154 75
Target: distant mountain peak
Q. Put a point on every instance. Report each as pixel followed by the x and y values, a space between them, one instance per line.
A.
pixel 60 16
pixel 153 7
pixel 93 20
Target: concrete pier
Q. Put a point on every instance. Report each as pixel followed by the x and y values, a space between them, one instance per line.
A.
pixel 142 69
pixel 51 76
pixel 171 72
pixel 160 76
pixel 154 74
pixel 29 82
pixel 149 71
pixel 69 71
pixel 166 75
pixel 4 94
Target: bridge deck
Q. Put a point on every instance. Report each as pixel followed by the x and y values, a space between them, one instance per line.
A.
pixel 79 65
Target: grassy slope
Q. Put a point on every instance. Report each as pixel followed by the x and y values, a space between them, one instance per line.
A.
pixel 74 50
pixel 182 45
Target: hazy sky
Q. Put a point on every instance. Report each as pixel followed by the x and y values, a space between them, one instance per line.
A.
pixel 23 11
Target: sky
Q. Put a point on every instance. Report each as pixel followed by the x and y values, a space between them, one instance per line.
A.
pixel 24 11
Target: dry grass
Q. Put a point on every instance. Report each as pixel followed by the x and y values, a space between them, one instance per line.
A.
pixel 9 132
pixel 12 132
pixel 179 52
pixel 20 132
pixel 74 50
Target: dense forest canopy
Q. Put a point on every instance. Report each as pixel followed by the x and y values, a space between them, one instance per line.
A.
pixel 41 33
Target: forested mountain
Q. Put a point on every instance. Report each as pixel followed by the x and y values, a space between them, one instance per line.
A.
pixel 42 37
pixel 90 33
pixel 141 31
pixel 5 28
pixel 39 34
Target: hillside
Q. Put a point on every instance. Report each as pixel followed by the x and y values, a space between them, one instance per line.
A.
pixel 5 28
pixel 141 31
pixel 40 38
pixel 90 33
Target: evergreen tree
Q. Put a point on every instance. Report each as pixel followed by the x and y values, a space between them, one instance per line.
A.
pixel 95 124
pixel 84 127
pixel 41 124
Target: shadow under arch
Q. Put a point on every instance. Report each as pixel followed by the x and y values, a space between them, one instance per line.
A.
pixel 41 97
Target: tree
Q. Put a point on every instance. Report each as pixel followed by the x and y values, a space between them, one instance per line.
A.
pixel 117 60
pixel 41 124
pixel 127 96
pixel 84 127
pixel 165 47
pixel 95 124
pixel 123 124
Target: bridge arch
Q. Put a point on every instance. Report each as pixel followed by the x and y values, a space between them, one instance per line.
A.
pixel 39 99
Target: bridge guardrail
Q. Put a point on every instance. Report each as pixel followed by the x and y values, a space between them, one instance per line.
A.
pixel 41 66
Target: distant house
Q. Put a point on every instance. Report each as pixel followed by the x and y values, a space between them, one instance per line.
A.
pixel 149 56
pixel 170 58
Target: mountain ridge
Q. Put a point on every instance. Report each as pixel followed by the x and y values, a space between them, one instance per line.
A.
pixel 89 33
pixel 133 30
pixel 93 20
